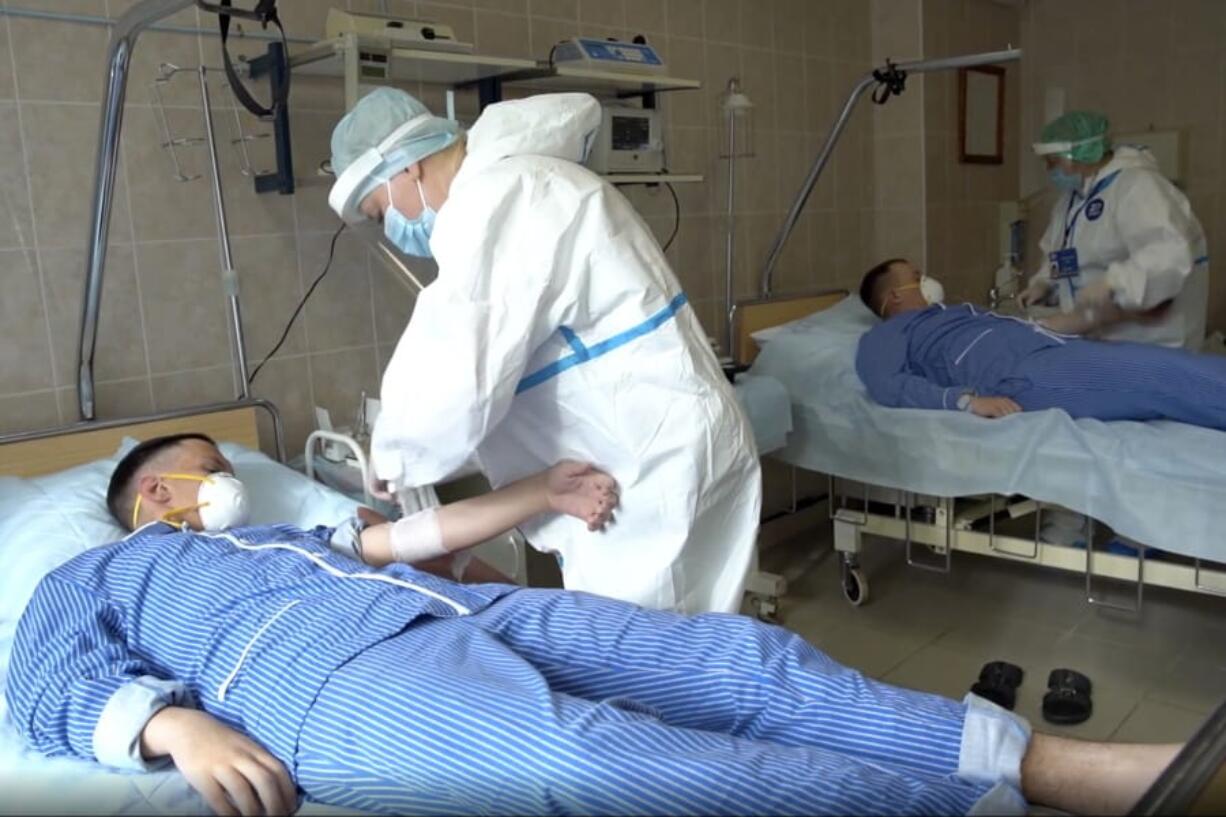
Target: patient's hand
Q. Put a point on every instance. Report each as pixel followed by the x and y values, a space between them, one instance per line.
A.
pixel 580 490
pixel 233 773
pixel 994 406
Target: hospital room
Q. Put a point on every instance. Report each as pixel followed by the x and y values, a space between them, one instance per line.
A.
pixel 612 407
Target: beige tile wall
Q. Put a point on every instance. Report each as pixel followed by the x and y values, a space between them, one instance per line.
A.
pixel 164 339
pixel 1146 64
pixel 961 229
pixel 898 137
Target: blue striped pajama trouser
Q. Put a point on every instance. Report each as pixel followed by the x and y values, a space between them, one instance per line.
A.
pixel 555 702
pixel 1124 381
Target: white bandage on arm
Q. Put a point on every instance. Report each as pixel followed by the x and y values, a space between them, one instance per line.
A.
pixel 417 537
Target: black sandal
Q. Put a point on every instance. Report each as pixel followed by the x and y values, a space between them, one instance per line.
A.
pixel 1067 701
pixel 998 683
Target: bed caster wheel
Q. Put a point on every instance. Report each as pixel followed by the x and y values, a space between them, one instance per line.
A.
pixel 855 586
pixel 765 609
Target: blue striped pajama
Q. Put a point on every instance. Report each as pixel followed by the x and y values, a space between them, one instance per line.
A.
pixel 927 358
pixel 395 691
pixel 555 702
pixel 1125 381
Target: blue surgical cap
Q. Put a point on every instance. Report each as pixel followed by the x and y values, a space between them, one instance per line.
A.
pixel 373 119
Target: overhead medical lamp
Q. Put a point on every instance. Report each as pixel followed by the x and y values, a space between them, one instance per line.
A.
pixel 738 144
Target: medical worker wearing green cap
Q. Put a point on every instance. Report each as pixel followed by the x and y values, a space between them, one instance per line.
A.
pixel 1123 252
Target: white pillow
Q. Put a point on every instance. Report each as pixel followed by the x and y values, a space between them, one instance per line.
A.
pixel 849 316
pixel 47 520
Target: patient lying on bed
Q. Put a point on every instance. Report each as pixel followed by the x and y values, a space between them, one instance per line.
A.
pixel 957 357
pixel 266 665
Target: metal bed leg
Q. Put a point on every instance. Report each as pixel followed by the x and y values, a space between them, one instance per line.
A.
pixel 1204 588
pixel 848 542
pixel 1140 580
pixel 945 514
pixel 1034 554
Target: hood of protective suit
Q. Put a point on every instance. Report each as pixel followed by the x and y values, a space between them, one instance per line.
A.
pixel 558 125
pixel 1127 156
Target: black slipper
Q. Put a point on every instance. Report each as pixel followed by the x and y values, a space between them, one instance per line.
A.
pixel 1067 701
pixel 998 682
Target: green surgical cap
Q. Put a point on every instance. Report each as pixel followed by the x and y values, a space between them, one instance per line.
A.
pixel 1079 135
pixel 374 118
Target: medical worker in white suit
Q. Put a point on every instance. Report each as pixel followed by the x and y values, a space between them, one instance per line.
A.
pixel 1125 255
pixel 555 329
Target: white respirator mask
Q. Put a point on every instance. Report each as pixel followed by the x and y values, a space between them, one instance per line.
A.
pixel 932 290
pixel 929 287
pixel 221 502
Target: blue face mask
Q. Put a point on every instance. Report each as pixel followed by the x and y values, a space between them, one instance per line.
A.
pixel 1064 181
pixel 410 235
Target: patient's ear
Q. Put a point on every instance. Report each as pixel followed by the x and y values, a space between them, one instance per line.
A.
pixel 153 488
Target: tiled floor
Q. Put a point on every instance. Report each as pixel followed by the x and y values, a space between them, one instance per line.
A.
pixel 1155 677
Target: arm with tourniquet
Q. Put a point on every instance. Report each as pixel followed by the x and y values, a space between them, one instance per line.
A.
pixel 572 488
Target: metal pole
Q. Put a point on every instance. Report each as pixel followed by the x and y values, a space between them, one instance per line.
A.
pixel 98 20
pixel 819 164
pixel 730 242
pixel 229 276
pixel 119 56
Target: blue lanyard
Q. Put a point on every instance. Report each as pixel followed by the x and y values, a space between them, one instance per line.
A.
pixel 1071 224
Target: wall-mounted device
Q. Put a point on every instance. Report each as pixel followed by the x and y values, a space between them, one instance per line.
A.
pixel 607 55
pixel 630 140
pixel 395 32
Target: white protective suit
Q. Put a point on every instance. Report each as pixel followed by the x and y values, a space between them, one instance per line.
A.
pixel 1147 242
pixel 555 329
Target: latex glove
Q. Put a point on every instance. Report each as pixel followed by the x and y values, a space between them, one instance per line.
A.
pixel 1095 294
pixel 234 774
pixel 1036 292
pixel 379 488
pixel 580 490
pixel 994 406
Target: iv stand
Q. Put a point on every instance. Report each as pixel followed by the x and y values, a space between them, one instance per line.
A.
pixel 890 72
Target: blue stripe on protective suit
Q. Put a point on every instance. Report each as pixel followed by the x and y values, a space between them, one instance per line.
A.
pixel 582 354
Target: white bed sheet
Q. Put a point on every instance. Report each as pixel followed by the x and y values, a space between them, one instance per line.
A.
pixel 1161 483
pixel 769 409
pixel 74 500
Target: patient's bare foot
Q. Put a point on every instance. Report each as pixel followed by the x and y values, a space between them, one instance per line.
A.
pixel 580 490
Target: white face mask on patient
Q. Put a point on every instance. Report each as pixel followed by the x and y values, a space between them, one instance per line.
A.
pixel 221 502
pixel 929 287
pixel 932 290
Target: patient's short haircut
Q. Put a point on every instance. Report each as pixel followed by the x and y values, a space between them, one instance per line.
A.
pixel 872 283
pixel 121 493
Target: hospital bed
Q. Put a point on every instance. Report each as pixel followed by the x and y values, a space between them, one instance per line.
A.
pixel 52 507
pixel 940 482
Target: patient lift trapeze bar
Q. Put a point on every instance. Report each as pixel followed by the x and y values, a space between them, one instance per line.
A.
pixel 892 79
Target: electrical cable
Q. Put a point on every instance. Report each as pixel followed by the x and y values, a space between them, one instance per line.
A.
pixel 676 216
pixel 301 303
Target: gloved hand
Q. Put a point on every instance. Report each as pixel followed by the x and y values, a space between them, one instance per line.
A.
pixel 1037 291
pixel 379 488
pixel 1094 294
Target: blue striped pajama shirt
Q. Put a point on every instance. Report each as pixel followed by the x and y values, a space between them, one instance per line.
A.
pixel 928 358
pixel 398 692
